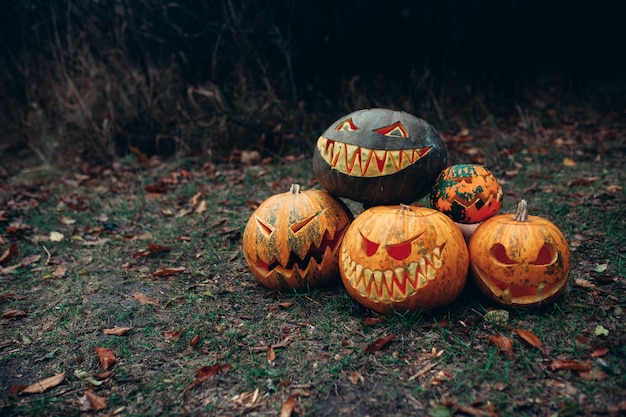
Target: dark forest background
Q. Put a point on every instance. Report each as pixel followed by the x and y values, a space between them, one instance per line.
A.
pixel 94 79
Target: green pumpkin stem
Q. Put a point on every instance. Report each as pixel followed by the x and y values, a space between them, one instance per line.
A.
pixel 295 189
pixel 522 211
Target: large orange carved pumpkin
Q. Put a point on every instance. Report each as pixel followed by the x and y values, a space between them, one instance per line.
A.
pixel 467 193
pixel 379 156
pixel 292 239
pixel 403 258
pixel 519 260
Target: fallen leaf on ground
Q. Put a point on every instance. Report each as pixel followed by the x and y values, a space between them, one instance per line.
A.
pixel 600 352
pixel 11 296
pixel 173 334
pixel 572 365
pixel 29 260
pixel 379 343
pixel 44 384
pixel 166 272
pixel 601 331
pixel 10 253
pixel 504 344
pixel 13 314
pixel 207 372
pixel 271 354
pixel 531 339
pixel 59 271
pixel 372 321
pixel 107 358
pixel 287 408
pixel 117 331
pixel 249 400
pixel 356 377
pixel 97 402
pixel 144 300
pixel 282 344
pixel 56 236
pixel 153 249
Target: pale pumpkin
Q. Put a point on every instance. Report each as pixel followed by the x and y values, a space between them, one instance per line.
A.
pixel 292 239
pixel 519 260
pixel 403 258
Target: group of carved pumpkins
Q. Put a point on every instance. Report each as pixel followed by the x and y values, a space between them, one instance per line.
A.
pixel 395 256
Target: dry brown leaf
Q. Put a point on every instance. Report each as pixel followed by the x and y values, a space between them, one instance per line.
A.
pixel 530 338
pixel 117 331
pixel 207 372
pixel 504 344
pixel 600 352
pixel 13 314
pixel 44 384
pixel 144 300
pixel 193 201
pixel 372 321
pixel 107 358
pixel 56 236
pixel 286 304
pixel 10 253
pixel 29 260
pixel 569 162
pixel 173 334
pixel 11 296
pixel 59 271
pixel 355 377
pixel 271 354
pixel 571 365
pixel 379 343
pixel 287 408
pixel 167 272
pixel 194 341
pixel 202 207
pixel 97 402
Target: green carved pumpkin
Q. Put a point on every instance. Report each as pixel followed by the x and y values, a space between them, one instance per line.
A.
pixel 379 157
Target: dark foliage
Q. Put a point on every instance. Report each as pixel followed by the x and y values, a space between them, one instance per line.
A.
pixel 100 76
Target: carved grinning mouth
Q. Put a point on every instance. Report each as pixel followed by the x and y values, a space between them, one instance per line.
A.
pixel 509 293
pixel 392 285
pixel 476 200
pixel 315 254
pixel 364 162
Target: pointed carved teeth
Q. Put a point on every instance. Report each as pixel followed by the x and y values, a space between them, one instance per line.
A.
pixel 392 285
pixel 358 161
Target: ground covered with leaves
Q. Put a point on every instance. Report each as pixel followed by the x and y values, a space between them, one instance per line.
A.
pixel 124 291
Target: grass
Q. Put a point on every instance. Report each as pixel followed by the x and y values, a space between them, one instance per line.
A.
pixel 438 362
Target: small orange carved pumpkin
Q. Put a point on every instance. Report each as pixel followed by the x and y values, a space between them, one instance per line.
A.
pixel 519 260
pixel 403 258
pixel 467 193
pixel 292 239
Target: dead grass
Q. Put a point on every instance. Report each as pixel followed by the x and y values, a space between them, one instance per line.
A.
pixel 312 346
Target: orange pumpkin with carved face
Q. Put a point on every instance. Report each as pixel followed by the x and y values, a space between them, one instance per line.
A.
pixel 379 156
pixel 292 239
pixel 403 258
pixel 467 193
pixel 519 260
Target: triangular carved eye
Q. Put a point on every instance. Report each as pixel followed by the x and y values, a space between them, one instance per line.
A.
pixel 402 250
pixel 266 228
pixel 396 130
pixel 499 254
pixel 547 255
pixel 347 125
pixel 369 247
pixel 297 226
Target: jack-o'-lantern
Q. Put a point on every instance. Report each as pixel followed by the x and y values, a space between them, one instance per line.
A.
pixel 292 239
pixel 467 193
pixel 379 156
pixel 519 260
pixel 403 258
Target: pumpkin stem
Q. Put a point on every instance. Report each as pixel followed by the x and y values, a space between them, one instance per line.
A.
pixel 405 207
pixel 295 189
pixel 522 211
